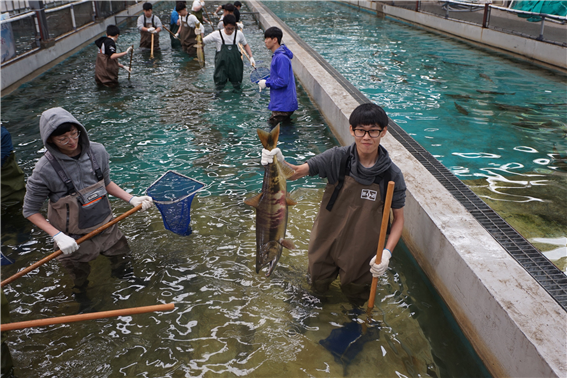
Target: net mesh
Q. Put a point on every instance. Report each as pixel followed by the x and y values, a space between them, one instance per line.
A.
pixel 172 194
pixel 260 73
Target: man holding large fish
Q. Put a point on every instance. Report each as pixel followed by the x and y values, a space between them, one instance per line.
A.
pixel 345 233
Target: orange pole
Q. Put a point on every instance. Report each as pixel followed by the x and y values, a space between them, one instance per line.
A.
pixel 79 241
pixel 381 240
pixel 82 317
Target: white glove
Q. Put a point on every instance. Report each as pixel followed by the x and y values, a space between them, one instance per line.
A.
pixel 128 49
pixel 378 269
pixel 65 243
pixel 252 61
pixel 146 202
pixel 262 84
pixel 151 30
pixel 177 35
pixel 268 156
pixel 127 69
pixel 240 25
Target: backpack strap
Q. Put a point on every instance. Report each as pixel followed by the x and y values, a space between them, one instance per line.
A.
pixel 96 168
pixel 61 173
pixel 63 176
pixel 342 172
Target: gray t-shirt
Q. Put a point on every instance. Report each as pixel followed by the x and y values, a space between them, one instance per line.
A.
pixel 328 165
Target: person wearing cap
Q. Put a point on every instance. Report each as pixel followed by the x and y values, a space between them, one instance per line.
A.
pixel 228 59
pixel 74 174
pixel 149 24
pixel 190 29
pixel 107 65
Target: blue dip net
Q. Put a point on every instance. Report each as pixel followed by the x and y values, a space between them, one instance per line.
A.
pixel 260 73
pixel 172 194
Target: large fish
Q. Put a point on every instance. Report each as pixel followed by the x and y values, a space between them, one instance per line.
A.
pixel 200 51
pixel 271 208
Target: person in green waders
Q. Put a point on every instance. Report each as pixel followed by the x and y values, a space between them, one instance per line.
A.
pixel 228 59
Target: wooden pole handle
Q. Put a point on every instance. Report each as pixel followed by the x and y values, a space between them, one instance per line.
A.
pixel 152 49
pixel 170 32
pixel 381 240
pixel 82 317
pixel 79 241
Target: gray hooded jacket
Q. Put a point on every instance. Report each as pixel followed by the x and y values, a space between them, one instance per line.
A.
pixel 44 181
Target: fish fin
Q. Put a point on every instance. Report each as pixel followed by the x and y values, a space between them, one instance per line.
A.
pixel 269 139
pixel 286 170
pixel 287 243
pixel 253 201
pixel 290 201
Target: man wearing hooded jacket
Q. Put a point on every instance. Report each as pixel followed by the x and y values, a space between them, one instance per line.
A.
pixel 283 97
pixel 74 175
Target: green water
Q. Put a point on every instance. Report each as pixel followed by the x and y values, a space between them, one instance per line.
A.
pixel 498 124
pixel 228 320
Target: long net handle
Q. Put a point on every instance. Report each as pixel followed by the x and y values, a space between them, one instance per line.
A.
pixel 152 49
pixel 170 32
pixel 381 241
pixel 82 317
pixel 79 241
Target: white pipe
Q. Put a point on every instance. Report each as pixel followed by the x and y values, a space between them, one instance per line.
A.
pixel 20 17
pixel 65 6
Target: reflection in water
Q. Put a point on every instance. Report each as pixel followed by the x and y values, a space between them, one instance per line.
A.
pixel 228 320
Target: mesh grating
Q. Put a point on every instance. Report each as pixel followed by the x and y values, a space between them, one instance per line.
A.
pixel 549 276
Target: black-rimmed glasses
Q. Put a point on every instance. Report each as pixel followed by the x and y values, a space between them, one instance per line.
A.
pixel 374 133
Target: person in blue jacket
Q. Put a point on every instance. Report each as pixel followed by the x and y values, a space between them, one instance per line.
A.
pixel 283 97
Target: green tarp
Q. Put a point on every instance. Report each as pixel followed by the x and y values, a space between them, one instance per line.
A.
pixel 557 8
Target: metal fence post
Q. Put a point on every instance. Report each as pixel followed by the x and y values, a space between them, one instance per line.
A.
pixel 417 6
pixel 41 19
pixel 540 38
pixel 446 9
pixel 73 18
pixel 486 15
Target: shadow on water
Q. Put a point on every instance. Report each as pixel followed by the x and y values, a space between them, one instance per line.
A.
pixel 228 320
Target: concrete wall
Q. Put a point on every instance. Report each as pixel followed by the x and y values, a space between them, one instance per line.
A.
pixel 542 52
pixel 512 322
pixel 21 68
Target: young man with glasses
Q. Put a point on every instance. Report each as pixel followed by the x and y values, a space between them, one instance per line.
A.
pixel 345 233
pixel 74 174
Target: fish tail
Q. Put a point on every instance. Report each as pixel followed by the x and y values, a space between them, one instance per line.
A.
pixel 269 139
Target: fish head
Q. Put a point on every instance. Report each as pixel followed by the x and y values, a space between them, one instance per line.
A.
pixel 269 254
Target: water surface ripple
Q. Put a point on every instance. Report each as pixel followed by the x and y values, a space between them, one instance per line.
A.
pixel 228 320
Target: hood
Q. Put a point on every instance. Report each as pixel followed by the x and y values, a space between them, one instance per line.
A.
pixel 285 51
pixel 51 119
pixel 100 41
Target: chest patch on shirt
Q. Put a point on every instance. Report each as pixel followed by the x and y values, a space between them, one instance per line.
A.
pixel 368 194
